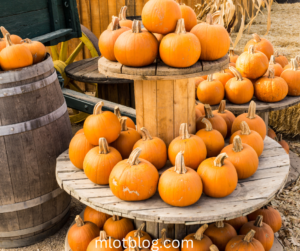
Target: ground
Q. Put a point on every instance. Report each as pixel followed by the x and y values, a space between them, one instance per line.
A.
pixel 284 34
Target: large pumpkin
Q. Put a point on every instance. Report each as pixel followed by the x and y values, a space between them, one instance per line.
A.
pixel 281 59
pixel 210 91
pixel 292 77
pixel 124 22
pixel 238 222
pixel 37 49
pixel 164 243
pixel 14 38
pixel 140 237
pixel 261 44
pixel 189 16
pixel 117 227
pixel 129 121
pixel 96 217
pixel 104 243
pixel 277 67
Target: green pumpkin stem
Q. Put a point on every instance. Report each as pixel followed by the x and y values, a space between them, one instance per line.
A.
pixel 134 157
pixel 236 73
pixel 245 129
pixel 116 217
pixel 256 38
pixel 249 237
pixel 79 221
pixel 252 110
pixel 123 122
pixel 251 49
pixel 179 164
pixel 145 134
pixel 115 24
pixel 213 248
pixel 199 234
pixel 219 162
pixel 295 65
pixel 98 108
pixel 209 19
pixel 180 27
pixel 208 127
pixel 237 144
pixel 136 26
pixel 259 221
pixel 123 13
pixel 183 131
pixel 103 146
pixel 208 111
pixel 103 235
pixel 222 106
pixel 138 232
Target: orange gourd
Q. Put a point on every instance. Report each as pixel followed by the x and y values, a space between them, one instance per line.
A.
pixel 14 38
pixel 210 91
pixel 78 149
pixel 193 147
pixel 200 241
pixel 180 49
pixel 261 44
pixel 281 59
pixel 101 125
pixel 249 137
pixel 136 48
pixel 104 243
pixel 200 107
pixel 254 121
pixel 81 234
pixel 283 143
pixel 271 133
pixel 139 237
pixel 233 57
pixel 212 139
pixel 210 36
pixel 134 179
pixel 238 90
pixel 292 77
pixel 223 76
pixel 252 64
pixel 37 49
pixel 125 142
pixel 237 223
pixel 129 121
pixel 117 227
pixel 243 157
pixel 154 149
pixel 160 16
pixel 218 175
pixel 79 131
pixel 123 21
pixel 277 67
pixel 189 16
pixel 109 37
pixel 96 217
pixel 99 162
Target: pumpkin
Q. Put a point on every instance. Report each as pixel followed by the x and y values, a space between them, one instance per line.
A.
pixel 140 237
pixel 198 80
pixel 289 66
pixel 109 37
pixel 277 67
pixel 212 139
pixel 252 64
pixel 78 148
pixel 244 243
pixel 136 48
pixel 281 59
pixel 2 44
pixel 81 234
pixel 213 248
pixel 254 121
pixel 37 49
pixel 283 143
pixel 193 147
pixel 180 186
pixel 232 64
pixel 228 116
pixel 101 124
pixel 129 121
pixel 154 149
pixel 104 243
pixel 15 39
pixel 219 176
pixel 117 227
pixel 123 21
pixel 14 56
pixel 125 142
pixel 198 114
pixel 223 76
pixel 238 222
pixel 249 137
pixel 199 241
pixel 164 243
pixel 210 35
pixel 180 49
pixel 217 121
pixel 99 162
pixel 232 56
pixel 96 217
pixel 291 76
pixel 189 16
pixel 220 233
pixel 160 16
pixel 159 37
pixel 200 107
pixel 271 133
pixel 263 232
pixel 210 91
pixel 239 90
pixel 243 157
pixel 79 131
pixel 134 179
pixel 261 44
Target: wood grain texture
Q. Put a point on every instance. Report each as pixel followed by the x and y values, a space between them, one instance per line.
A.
pixel 180 104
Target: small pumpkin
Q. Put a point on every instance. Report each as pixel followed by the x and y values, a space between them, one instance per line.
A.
pixel 37 49
pixel 289 66
pixel 238 222
pixel 180 49
pixel 117 227
pixel 271 133
pixel 198 114
pixel 159 37
pixel 134 179
pixel 15 39
pixel 261 44
pixel 254 121
pixel 99 162
pixel 140 237
pixel 219 176
pixel 101 125
pixel 79 131
pixel 281 59
pixel 96 217
pixel 292 77
pixel 243 157
pixel 104 243
pixel 129 121
pixel 2 44
pixel 134 247
pixel 123 21
pixel 249 137
pixel 180 186
pixel 277 67
pixel 210 91
pixel 193 147
pixel 189 16
pixel 154 149
pixel 283 143
pixel 233 57
pixel 198 80
pixel 239 90
pixel 223 76
pixel 263 232
pixel 81 234
pixel 164 243
pixel 200 107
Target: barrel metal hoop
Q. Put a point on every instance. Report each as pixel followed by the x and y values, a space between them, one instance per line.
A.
pixel 29 87
pixel 34 123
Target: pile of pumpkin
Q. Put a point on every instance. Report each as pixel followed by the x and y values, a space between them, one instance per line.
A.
pixel 256 232
pixel 257 71
pixel 171 33
pixel 17 53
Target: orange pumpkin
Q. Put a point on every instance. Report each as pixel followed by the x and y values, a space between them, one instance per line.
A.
pixel 2 44
pixel 160 16
pixel 81 234
pixel 210 35
pixel 164 243
pixel 134 179
pixel 79 131
pixel 239 90
pixel 261 44
pixel 243 157
pixel 233 57
pixel 198 114
pixel 101 125
pixel 249 137
pixel 140 237
pixel 210 91
pixel 154 149
pixel 218 175
pixel 180 186
pixel 104 243
pixel 254 121
pixel 238 222
pixel 189 16
pixel 200 107
pixel 123 21
pixel 109 37
pixel 117 227
pixel 96 217
pixel 281 59
pixel 271 133
pixel 283 143
pixel 180 49
pixel 37 49
pixel 159 37
pixel 277 67
pixel 14 38
pixel 129 121
pixel 289 66
pixel 134 247
pixel 198 80
pixel 292 77
pixel 252 64
pixel 223 76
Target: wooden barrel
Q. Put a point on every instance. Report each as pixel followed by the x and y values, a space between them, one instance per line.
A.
pixel 34 130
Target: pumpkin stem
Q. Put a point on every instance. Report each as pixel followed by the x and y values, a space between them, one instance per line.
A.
pixel 179 164
pixel 245 129
pixel 259 221
pixel 237 144
pixel 145 134
pixel 103 146
pixel 231 52
pixel 219 162
pixel 98 108
pixel 256 38
pixel 136 26
pixel 116 217
pixel 208 127
pixel 79 221
pixel 279 137
pixel 210 77
pixel 199 234
pixel 270 72
pixel 249 237
pixel 27 41
pixel 8 41
pixel 180 27
pixel 163 235
pixel 209 19
pixel 183 131
pixel 115 23
pixel 294 64
pixel 103 235
pixel 208 111
pixel 298 59
pixel 236 73
pixel 252 110
pixel 4 31
pixel 138 232
pixel 132 245
pixel 222 106
pixel 134 157
pixel 251 49
pixel 213 248
pixel 117 112
pixel 123 13
pixel 272 60
pixel 220 224
pixel 123 121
